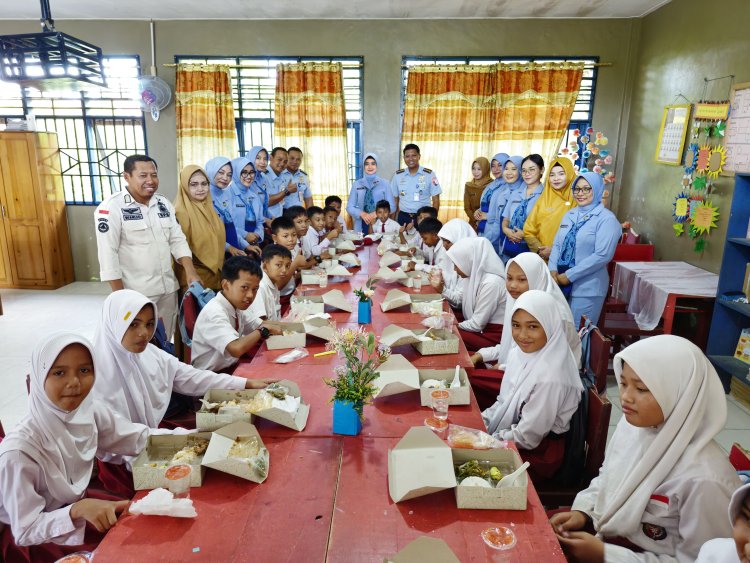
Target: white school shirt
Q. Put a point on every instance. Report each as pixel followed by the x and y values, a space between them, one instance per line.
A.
pixel 291 285
pixel 340 219
pixel 452 284
pixel 266 303
pixel 489 305
pixel 316 243
pixel 390 225
pixel 686 510
pixel 34 515
pixel 136 243
pixel 171 375
pixel 718 550
pixel 218 325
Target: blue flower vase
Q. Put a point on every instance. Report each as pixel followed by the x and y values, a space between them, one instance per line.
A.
pixel 345 419
pixel 364 312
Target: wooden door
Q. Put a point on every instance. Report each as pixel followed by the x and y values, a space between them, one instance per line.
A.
pixel 6 278
pixel 23 215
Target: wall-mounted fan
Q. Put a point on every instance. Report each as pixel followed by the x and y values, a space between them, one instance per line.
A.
pixel 155 94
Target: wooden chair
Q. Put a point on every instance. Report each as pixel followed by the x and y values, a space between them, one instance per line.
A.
pixel 630 237
pixel 599 350
pixel 739 457
pixel 2 432
pixel 189 311
pixel 600 410
pixel 623 330
pixel 625 252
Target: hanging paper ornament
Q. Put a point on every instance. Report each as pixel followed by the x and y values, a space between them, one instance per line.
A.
pixel 699 183
pixel 584 170
pixel 590 146
pixel 691 160
pixel 584 139
pixel 608 159
pixel 586 154
pixel 603 141
pixel 598 169
pixel 720 129
pixel 590 130
pixel 598 162
pixel 604 152
pixel 679 229
pixel 565 151
pixel 594 150
pixel 692 233
pixel 704 155
pixel 687 179
pixel 705 217
pixel 716 161
pixel 574 156
pixel 708 130
pixel 609 178
pixel 576 132
pixel 700 245
pixel 680 208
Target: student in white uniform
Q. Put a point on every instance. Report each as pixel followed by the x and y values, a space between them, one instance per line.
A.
pixel 384 223
pixel 522 273
pixel 136 379
pixel 223 332
pixel 737 548
pixel 409 234
pixel 284 232
pixel 541 389
pixel 430 241
pixel 483 300
pixel 447 281
pixel 46 461
pixel 137 235
pixel 277 262
pixel 335 202
pixel 316 236
pixel 665 484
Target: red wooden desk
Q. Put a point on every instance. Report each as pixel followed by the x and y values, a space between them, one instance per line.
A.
pixel 368 525
pixel 283 519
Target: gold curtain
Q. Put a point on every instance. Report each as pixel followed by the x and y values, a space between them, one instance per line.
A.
pixel 310 115
pixel 205 114
pixel 457 113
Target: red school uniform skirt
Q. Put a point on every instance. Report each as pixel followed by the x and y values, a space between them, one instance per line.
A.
pixel 486 385
pixel 490 336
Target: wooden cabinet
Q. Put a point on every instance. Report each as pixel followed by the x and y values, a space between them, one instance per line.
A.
pixel 34 243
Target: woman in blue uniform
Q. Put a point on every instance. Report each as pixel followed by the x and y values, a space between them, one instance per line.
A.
pixel 366 192
pixel 246 192
pixel 584 245
pixel 511 181
pixel 496 167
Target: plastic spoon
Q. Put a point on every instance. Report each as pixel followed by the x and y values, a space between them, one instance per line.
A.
pixel 456 380
pixel 508 480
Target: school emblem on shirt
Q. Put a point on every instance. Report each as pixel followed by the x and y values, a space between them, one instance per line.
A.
pixel 131 214
pixel 103 226
pixel 163 211
pixel 654 532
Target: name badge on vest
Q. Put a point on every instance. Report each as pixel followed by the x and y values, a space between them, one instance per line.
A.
pixel 131 214
pixel 163 211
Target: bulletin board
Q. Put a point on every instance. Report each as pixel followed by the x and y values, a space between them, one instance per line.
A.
pixel 737 137
pixel 674 127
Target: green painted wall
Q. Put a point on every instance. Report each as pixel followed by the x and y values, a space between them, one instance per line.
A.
pixel 680 44
pixel 382 43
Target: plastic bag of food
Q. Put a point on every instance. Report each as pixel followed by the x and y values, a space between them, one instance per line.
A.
pixel 292 356
pixel 442 321
pixel 472 439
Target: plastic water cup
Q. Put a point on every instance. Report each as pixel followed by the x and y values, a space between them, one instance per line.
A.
pixel 499 543
pixel 440 401
pixel 331 251
pixel 323 278
pixel 417 281
pixel 178 480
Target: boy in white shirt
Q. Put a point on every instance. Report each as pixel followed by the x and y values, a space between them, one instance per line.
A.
pixel 335 202
pixel 316 235
pixel 284 233
pixel 277 261
pixel 409 234
pixel 224 331
pixel 384 224
pixel 331 217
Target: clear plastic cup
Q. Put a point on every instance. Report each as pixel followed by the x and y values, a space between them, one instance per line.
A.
pixel 323 278
pixel 417 281
pixel 178 480
pixel 499 543
pixel 440 401
pixel 331 251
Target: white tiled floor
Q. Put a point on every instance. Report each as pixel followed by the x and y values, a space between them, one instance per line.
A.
pixel 29 314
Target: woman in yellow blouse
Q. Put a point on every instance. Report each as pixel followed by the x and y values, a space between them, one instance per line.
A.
pixel 556 200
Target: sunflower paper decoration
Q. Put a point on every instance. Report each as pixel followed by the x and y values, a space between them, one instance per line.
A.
pixel 681 208
pixel 691 160
pixel 716 161
pixel 705 217
pixel 704 155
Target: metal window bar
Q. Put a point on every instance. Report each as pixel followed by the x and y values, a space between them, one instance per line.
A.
pixel 254 92
pixel 96 131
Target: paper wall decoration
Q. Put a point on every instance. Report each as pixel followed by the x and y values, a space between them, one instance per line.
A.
pixel 672 133
pixel 691 160
pixel 711 110
pixel 681 208
pixel 704 155
pixel 705 217
pixel 716 161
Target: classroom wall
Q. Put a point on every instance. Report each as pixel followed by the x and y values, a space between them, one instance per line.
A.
pixel 680 44
pixel 381 42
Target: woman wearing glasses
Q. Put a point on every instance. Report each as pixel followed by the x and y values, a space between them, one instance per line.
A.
pixel 247 192
pixel 584 245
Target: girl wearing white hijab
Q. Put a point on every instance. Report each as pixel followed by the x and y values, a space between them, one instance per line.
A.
pixel 524 272
pixel 665 485
pixel 449 284
pixel 136 378
pixel 483 300
pixel 541 388
pixel 46 461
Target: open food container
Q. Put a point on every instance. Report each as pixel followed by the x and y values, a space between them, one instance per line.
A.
pixel 164 450
pixel 238 449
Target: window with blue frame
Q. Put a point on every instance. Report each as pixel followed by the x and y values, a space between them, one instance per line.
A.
pixel 254 91
pixel 96 130
pixel 584 107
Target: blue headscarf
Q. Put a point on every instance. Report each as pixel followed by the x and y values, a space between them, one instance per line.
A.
pixel 253 154
pixel 484 202
pixel 258 182
pixel 582 214
pixel 238 165
pixel 502 158
pixel 368 206
pixel 517 160
pixel 218 195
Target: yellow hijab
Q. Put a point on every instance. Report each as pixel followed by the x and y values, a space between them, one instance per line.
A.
pixel 200 223
pixel 548 212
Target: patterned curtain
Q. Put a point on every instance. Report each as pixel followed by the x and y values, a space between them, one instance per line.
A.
pixel 457 113
pixel 205 114
pixel 310 115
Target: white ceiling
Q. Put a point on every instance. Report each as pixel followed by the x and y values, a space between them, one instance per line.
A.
pixel 329 9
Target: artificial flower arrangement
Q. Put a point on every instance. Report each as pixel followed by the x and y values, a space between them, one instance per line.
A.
pixel 365 293
pixel 594 157
pixel 363 355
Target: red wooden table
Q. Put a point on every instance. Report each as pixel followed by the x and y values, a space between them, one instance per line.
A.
pixel 326 496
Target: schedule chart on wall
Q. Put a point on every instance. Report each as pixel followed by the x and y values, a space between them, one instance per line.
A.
pixel 326 497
